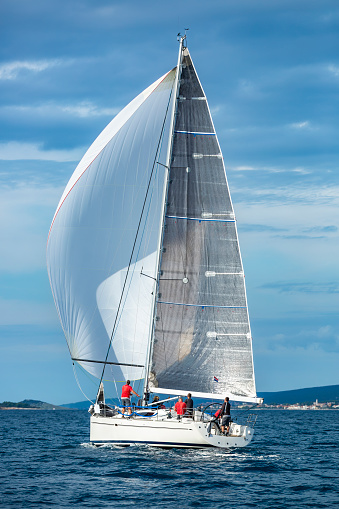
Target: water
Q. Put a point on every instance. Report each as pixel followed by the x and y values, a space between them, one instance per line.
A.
pixel 46 460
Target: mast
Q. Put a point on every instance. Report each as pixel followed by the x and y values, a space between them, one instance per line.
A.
pixel 181 40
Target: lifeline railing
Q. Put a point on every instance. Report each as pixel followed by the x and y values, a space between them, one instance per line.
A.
pixel 251 420
pixel 145 411
pixel 152 411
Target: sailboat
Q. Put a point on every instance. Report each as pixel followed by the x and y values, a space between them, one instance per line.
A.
pixel 145 269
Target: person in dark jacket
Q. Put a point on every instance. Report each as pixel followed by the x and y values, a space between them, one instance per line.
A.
pixel 155 403
pixel 225 415
pixel 189 405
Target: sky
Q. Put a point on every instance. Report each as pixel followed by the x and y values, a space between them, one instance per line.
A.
pixel 270 70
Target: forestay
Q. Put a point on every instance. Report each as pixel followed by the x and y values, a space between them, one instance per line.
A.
pixel 93 232
pixel 202 340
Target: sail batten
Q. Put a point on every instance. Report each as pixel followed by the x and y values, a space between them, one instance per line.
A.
pixel 207 395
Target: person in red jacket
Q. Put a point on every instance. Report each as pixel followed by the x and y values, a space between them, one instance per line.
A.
pixel 126 397
pixel 180 408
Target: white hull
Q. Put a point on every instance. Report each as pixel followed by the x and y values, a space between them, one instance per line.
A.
pixel 164 432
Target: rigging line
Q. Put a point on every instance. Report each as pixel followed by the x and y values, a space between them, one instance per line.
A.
pixel 86 374
pixel 158 151
pixel 144 234
pixel 140 243
pixel 150 227
pixel 134 265
pixel 117 245
pixel 76 378
pixel 116 389
pixel 138 384
pixel 130 282
pixel 169 158
pixel 136 236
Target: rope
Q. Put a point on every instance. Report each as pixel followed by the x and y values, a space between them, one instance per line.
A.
pixel 116 389
pixel 76 378
pixel 134 265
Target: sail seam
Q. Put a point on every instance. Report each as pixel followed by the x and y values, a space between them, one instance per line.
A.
pixel 201 305
pixel 195 133
pixel 201 219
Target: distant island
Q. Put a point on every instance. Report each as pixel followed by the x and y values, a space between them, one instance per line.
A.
pixel 326 397
pixel 29 404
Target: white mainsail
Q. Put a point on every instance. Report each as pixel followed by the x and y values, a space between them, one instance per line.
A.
pixel 202 340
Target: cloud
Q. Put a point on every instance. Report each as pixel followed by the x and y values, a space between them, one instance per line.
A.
pixel 269 169
pixel 301 171
pixel 325 229
pixel 215 110
pixel 88 109
pixel 259 228
pixel 14 151
pixel 12 70
pixel 244 168
pixel 302 237
pixel 333 69
pixel 57 125
pixel 248 88
pixel 286 287
pixel 50 110
pixel 323 338
pixel 301 125
pixel 299 194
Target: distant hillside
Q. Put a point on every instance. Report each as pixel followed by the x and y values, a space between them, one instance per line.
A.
pixel 302 396
pixel 80 405
pixel 84 405
pixel 30 404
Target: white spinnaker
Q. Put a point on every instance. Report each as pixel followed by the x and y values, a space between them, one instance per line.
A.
pixel 94 227
pixel 108 134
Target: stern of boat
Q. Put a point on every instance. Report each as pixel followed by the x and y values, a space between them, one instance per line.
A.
pixel 238 436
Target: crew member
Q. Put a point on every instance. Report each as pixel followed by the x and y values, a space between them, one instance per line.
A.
pixel 156 403
pixel 126 397
pixel 180 408
pixel 189 405
pixel 225 415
